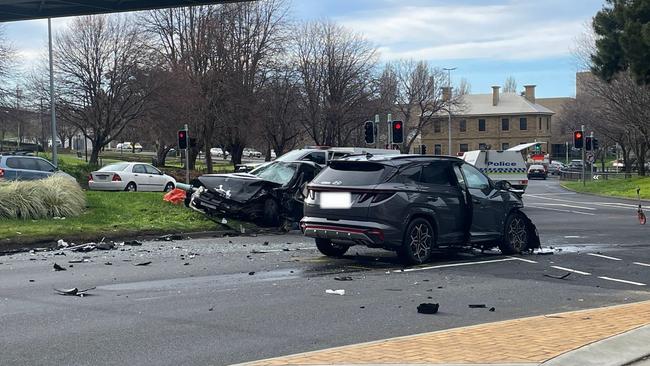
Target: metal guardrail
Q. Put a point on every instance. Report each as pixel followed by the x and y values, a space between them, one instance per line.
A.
pixel 577 175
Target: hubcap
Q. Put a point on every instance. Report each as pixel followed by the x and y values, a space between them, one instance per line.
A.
pixel 517 233
pixel 131 188
pixel 421 241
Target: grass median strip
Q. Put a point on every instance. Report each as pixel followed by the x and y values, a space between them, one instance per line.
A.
pixel 109 214
pixel 625 188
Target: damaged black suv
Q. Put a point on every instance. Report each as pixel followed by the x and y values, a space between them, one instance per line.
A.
pixel 413 204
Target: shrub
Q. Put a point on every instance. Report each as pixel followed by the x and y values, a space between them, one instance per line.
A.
pixel 39 199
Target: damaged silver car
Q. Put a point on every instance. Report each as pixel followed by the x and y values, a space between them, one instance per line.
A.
pixel 268 195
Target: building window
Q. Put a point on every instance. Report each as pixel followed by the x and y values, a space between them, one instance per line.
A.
pixel 436 126
pixel 437 149
pixel 523 123
pixel 481 124
pixel 548 123
pixel 505 146
pixel 540 124
pixel 462 125
pixel 464 148
pixel 505 124
pixel 482 146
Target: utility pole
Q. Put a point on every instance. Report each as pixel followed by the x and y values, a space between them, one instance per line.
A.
pixel 376 130
pixel 187 155
pixel 449 70
pixel 566 150
pixel 19 94
pixel 582 128
pixel 55 158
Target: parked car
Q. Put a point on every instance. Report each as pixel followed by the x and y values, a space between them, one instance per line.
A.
pixel 252 153
pixel 413 204
pixel 268 194
pixel 127 146
pixel 537 171
pixel 555 167
pixel 24 167
pixel 218 152
pixel 130 177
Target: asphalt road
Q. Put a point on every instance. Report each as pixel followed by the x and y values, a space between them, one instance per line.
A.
pixel 199 302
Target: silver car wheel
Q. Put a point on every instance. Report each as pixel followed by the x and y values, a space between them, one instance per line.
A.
pixel 518 234
pixel 421 241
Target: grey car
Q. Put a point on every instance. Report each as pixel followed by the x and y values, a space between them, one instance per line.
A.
pixel 21 167
pixel 413 204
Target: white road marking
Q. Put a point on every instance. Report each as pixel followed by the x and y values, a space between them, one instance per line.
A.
pixel 601 204
pixel 622 281
pixel 604 256
pixel 572 237
pixel 560 210
pixel 523 260
pixel 565 205
pixel 454 265
pixel 571 270
pixel 549 194
pixel 642 264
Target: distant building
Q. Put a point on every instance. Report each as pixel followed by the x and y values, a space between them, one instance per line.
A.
pixel 491 121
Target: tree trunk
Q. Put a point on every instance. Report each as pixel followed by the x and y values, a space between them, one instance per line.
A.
pixel 267 156
pixel 208 159
pixel 194 153
pixel 237 152
pixel 94 154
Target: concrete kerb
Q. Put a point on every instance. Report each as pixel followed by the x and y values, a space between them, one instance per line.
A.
pixel 618 350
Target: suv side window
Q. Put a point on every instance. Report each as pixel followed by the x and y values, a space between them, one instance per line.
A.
pixel 475 179
pixel 45 166
pixel 15 163
pixel 410 174
pixel 436 173
pixel 317 157
pixel 139 169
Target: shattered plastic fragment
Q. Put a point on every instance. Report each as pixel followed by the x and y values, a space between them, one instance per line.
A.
pixel 335 292
pixel 428 308
pixel 143 263
pixel 61 243
pixel 73 291
pixel 344 278
pixel 58 268
pixel 477 306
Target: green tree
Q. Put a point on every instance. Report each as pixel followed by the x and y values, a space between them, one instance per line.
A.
pixel 622 30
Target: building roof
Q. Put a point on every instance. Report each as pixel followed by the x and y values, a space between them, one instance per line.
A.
pixel 509 104
pixel 12 10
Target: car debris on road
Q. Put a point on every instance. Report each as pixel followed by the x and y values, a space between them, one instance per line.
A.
pixel 73 291
pixel 335 292
pixel 428 308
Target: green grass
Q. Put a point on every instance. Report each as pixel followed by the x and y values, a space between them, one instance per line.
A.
pixel 113 214
pixel 614 187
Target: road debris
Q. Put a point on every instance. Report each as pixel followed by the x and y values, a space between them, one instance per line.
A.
pixel 251 273
pixel 344 278
pixel 428 308
pixel 492 309
pixel 62 244
pixel 133 243
pixel 558 277
pixel 105 246
pixel 78 261
pixel 477 306
pixel 170 237
pixel 58 268
pixel 335 292
pixel 108 264
pixel 73 291
pixel 143 263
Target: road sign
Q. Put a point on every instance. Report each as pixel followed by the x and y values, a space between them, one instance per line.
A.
pixel 591 157
pixel 596 177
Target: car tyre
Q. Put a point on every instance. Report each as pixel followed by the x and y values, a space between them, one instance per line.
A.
pixel 516 237
pixel 419 241
pixel 131 187
pixel 170 186
pixel 271 213
pixel 330 249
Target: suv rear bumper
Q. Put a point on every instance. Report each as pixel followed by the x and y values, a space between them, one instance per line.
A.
pixel 367 233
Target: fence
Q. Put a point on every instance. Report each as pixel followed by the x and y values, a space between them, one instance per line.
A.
pixel 608 175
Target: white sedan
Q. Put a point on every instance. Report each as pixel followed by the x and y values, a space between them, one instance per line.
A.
pixel 130 177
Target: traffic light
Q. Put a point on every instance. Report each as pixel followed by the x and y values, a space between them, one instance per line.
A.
pixel 369 132
pixel 578 139
pixel 594 144
pixel 538 148
pixel 588 140
pixel 398 132
pixel 423 149
pixel 182 139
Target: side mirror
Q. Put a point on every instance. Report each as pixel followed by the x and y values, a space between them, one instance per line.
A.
pixel 503 185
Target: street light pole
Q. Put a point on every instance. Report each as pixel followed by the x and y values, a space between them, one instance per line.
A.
pixel 55 157
pixel 449 70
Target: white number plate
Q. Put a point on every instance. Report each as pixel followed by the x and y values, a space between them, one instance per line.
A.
pixel 335 200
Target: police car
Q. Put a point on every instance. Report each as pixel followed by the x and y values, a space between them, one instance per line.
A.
pixel 501 165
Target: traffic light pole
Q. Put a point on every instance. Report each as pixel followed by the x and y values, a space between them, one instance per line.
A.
pixel 390 131
pixel 187 156
pixel 583 157
pixel 375 130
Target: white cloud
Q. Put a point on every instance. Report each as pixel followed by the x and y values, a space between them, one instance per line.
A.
pixel 515 31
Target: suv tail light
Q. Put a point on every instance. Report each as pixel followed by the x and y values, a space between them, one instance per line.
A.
pixel 2 173
pixel 90 177
pixel 116 178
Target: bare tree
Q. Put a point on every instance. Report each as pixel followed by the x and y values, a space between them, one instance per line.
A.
pixel 335 67
pixel 510 85
pixel 7 58
pixel 419 97
pixel 464 87
pixel 101 69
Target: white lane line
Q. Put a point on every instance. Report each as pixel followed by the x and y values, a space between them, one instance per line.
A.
pixel 454 265
pixel 616 203
pixel 600 204
pixel 571 270
pixel 622 281
pixel 604 256
pixel 642 264
pixel 560 210
pixel 523 260
pixel 549 194
pixel 565 205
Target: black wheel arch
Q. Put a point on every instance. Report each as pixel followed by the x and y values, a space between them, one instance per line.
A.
pixel 424 213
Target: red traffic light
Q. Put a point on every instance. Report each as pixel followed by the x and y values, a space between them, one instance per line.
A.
pixel 578 134
pixel 181 135
pixel 398 126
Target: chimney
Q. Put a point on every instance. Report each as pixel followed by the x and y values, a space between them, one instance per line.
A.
pixel 530 93
pixel 446 93
pixel 495 95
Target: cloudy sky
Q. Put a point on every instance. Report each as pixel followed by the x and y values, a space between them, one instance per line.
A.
pixel 486 40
